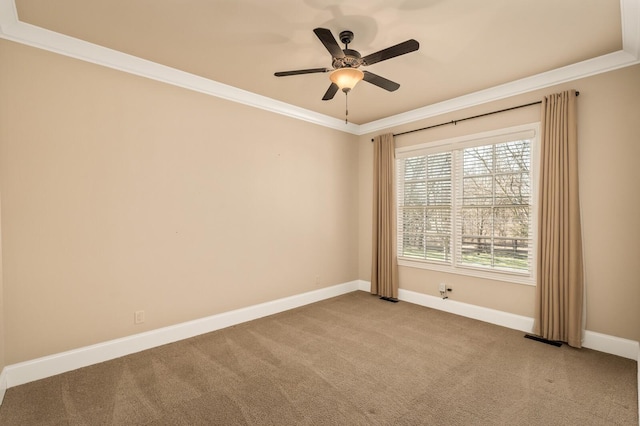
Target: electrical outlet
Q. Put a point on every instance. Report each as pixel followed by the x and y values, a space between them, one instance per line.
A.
pixel 138 317
pixel 442 287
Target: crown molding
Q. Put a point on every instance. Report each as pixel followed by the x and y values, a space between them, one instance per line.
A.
pixel 11 28
pixel 572 72
pixel 627 56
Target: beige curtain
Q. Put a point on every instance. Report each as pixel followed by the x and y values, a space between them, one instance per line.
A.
pixel 559 290
pixel 384 267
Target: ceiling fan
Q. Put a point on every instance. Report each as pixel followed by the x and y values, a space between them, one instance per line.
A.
pixel 345 73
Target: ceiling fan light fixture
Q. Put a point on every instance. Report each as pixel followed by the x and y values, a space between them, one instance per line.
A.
pixel 346 78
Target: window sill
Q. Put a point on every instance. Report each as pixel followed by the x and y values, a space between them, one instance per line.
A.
pixel 513 278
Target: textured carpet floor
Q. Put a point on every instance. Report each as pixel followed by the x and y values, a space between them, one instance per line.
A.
pixel 350 360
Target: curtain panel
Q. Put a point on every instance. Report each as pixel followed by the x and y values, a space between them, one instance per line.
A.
pixel 384 266
pixel 560 281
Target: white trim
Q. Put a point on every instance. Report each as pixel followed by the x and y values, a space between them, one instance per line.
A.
pixel 492 316
pixel 611 344
pixel 469 271
pixel 506 134
pixel 25 372
pixel 11 28
pixel 40 368
pixel 3 384
pixel 597 341
pixel 601 64
pixel 364 285
pixel 454 265
pixel 630 20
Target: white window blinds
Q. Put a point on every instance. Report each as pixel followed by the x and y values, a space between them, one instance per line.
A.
pixel 426 207
pixel 467 204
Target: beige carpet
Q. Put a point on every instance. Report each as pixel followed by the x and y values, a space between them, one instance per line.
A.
pixel 350 360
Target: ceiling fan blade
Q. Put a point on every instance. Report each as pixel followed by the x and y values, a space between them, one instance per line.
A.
pixel 382 82
pixel 297 72
pixel 331 92
pixel 391 52
pixel 329 42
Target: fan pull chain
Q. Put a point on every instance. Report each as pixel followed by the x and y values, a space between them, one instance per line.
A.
pixel 346 107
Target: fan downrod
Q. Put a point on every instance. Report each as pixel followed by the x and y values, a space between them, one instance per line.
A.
pixel 351 58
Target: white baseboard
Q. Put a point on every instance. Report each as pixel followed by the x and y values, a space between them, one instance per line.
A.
pixel 40 368
pixel 611 345
pixel 364 285
pixel 3 384
pixel 504 319
pixel 597 341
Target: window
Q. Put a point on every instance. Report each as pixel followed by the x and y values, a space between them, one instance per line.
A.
pixel 466 205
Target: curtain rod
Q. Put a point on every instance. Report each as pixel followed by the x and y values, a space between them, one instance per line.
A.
pixel 454 122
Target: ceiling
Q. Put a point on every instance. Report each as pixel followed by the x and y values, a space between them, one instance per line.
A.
pixel 466 46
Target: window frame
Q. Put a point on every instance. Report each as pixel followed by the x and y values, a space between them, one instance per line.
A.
pixel 529 131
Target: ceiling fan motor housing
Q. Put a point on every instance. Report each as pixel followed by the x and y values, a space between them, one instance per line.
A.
pixel 352 59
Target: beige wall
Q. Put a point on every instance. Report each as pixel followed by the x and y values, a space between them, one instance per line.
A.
pixel 609 148
pixel 120 193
